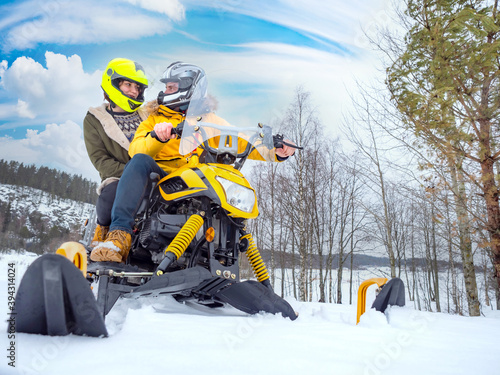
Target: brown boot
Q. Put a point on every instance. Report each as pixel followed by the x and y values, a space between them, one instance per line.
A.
pixel 99 235
pixel 114 249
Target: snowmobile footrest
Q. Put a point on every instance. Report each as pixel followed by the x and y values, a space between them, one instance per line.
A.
pixel 55 299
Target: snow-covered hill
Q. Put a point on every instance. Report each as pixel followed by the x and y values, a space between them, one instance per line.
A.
pixel 162 336
pixel 65 213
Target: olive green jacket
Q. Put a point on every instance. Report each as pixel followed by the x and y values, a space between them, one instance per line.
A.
pixel 106 144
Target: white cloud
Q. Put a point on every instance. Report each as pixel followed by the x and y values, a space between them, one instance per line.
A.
pixel 58 146
pixel 76 22
pixel 272 72
pixel 172 8
pixel 3 67
pixel 61 90
pixel 339 22
pixel 23 109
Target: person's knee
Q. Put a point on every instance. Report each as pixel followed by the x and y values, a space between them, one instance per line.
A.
pixel 108 194
pixel 142 162
pixel 110 189
pixel 142 159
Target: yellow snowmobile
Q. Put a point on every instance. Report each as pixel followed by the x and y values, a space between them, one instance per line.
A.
pixel 189 235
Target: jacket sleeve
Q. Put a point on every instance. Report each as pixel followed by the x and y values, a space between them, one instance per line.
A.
pixel 143 143
pixel 106 164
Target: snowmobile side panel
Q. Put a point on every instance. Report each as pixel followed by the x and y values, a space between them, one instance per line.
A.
pixel 252 297
pixel 55 299
pixel 392 293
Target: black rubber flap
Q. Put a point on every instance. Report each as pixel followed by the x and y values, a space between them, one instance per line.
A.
pixel 392 294
pixel 55 299
pixel 252 297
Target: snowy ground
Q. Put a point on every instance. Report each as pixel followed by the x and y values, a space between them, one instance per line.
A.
pixel 162 336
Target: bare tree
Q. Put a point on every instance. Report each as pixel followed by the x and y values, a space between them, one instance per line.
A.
pixel 361 129
pixel 301 125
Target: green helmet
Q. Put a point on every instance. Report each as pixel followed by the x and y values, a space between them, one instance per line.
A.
pixel 117 71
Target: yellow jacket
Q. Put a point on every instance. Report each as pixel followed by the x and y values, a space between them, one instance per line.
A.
pixel 166 154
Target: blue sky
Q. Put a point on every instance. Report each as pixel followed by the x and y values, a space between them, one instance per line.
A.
pixel 255 54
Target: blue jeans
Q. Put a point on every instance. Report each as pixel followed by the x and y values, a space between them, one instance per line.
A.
pixel 105 204
pixel 134 185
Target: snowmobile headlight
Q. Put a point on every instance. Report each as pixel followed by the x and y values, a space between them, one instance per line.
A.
pixel 237 195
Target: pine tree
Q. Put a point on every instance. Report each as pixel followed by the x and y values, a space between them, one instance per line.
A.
pixel 7 218
pixel 52 181
pixel 446 83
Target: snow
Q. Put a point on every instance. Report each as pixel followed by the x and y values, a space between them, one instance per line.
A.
pixel 162 336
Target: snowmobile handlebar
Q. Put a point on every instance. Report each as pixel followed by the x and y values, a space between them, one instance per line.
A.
pixel 176 130
pixel 277 139
pixel 279 142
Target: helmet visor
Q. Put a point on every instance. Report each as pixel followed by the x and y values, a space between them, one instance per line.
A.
pixel 183 83
pixel 141 87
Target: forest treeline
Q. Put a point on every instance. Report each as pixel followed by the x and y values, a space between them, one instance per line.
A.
pixel 420 179
pixel 52 181
pixel 32 231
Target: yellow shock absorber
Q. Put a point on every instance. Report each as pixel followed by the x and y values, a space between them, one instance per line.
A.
pixel 185 236
pixel 258 266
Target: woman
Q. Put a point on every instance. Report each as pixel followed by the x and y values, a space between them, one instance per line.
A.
pixel 109 129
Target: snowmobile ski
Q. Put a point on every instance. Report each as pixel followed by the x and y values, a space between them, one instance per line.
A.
pixel 55 299
pixel 249 296
pixel 391 294
pixel 252 297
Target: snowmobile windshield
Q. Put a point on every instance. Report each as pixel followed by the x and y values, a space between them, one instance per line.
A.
pixel 202 127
